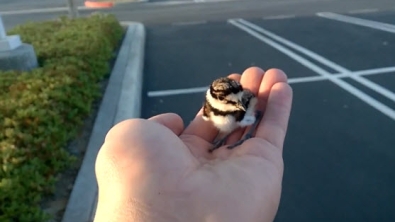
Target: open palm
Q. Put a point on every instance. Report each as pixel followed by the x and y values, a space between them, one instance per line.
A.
pixel 155 170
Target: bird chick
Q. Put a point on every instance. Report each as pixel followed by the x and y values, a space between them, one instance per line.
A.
pixel 228 106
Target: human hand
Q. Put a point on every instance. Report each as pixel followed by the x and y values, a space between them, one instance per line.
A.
pixel 155 170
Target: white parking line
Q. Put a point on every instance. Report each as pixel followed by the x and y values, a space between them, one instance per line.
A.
pixel 323 60
pixel 358 21
pixel 363 11
pixel 171 92
pixel 240 23
pixel 274 17
pixel 167 3
pixel 189 23
pixel 208 1
pixel 367 72
pixel 376 87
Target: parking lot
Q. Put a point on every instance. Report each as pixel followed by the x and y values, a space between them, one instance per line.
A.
pixel 339 152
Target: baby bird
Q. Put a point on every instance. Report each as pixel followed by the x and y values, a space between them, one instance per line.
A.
pixel 228 106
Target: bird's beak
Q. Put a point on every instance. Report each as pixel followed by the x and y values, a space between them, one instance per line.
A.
pixel 242 106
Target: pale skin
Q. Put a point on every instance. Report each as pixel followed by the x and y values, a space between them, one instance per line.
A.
pixel 158 170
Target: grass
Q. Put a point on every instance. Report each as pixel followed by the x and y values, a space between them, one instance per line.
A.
pixel 42 110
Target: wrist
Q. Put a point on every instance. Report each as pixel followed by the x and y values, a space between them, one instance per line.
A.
pixel 121 210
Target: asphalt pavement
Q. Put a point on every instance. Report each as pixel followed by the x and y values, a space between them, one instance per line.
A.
pixel 14 5
pixel 339 151
pixel 339 156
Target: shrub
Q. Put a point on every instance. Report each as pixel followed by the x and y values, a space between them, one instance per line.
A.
pixel 42 110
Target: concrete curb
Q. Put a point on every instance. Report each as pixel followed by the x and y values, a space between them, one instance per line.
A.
pixel 129 105
pixel 122 100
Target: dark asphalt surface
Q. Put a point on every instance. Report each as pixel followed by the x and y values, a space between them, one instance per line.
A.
pixel 8 5
pixel 157 13
pixel 14 20
pixel 339 152
pixel 339 156
pixel 353 47
pixel 191 50
pixel 151 14
pixel 385 16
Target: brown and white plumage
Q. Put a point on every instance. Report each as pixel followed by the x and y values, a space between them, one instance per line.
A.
pixel 229 106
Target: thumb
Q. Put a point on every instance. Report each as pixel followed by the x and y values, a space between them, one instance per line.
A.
pixel 170 120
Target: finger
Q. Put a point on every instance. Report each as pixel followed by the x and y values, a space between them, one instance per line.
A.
pixel 274 124
pixel 205 129
pixel 170 120
pixel 272 76
pixel 251 79
pixel 235 76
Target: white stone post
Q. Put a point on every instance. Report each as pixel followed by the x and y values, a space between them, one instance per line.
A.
pixel 2 29
pixel 8 43
pixel 15 55
pixel 73 10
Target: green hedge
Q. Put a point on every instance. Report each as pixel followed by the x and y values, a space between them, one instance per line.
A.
pixel 42 110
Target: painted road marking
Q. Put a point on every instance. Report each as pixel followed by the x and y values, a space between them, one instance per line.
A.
pixel 189 23
pixel 213 1
pixel 363 11
pixel 171 92
pixel 358 21
pixel 376 87
pixel 186 2
pixel 346 86
pixel 367 72
pixel 166 3
pixel 144 2
pixel 274 17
